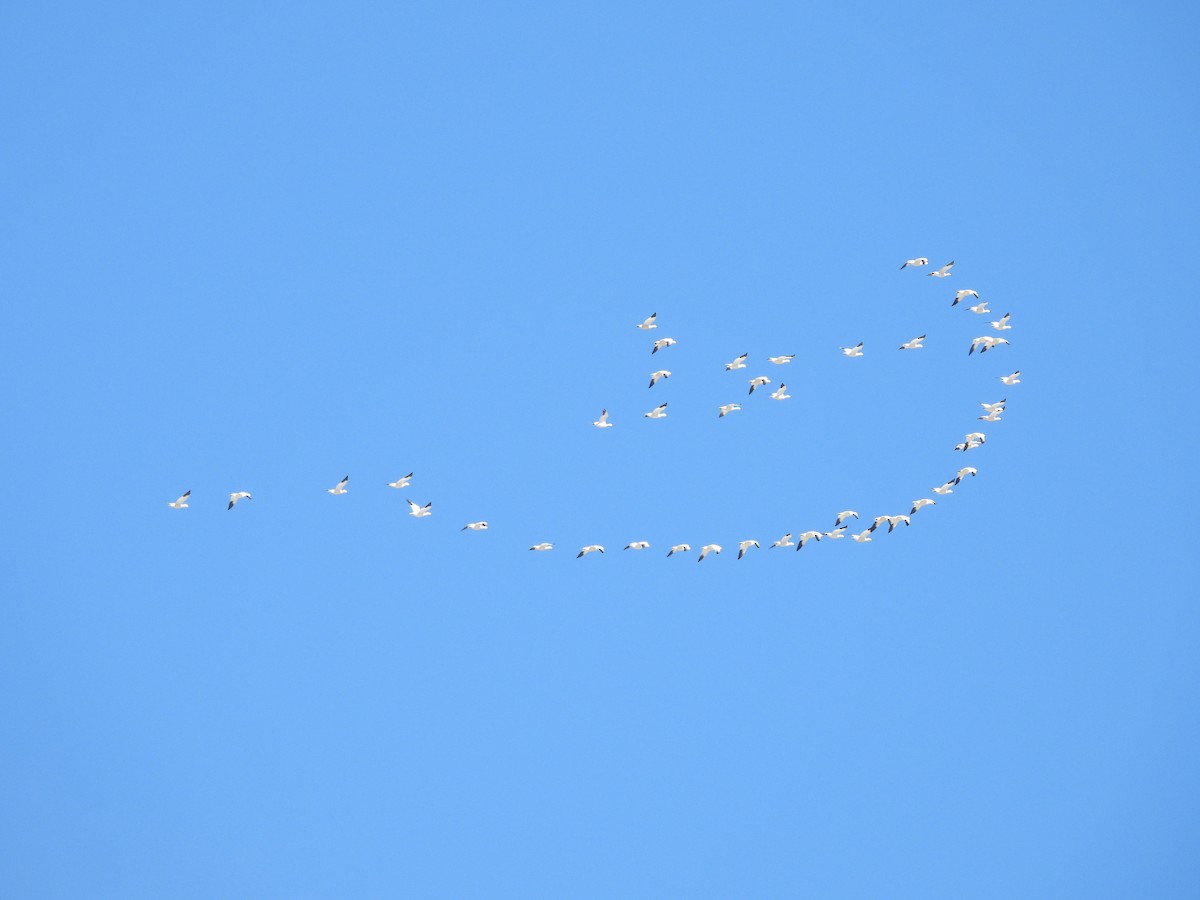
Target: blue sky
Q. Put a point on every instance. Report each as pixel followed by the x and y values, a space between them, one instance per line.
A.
pixel 262 248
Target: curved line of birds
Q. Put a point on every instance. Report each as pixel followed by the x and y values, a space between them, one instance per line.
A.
pixel 972 441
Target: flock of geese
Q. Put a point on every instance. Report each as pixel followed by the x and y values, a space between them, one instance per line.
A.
pixel 841 527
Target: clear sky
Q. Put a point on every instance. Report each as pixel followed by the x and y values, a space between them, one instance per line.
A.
pixel 262 246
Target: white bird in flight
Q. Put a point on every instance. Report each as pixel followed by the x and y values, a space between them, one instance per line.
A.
pixel 856 350
pixel 758 382
pixel 181 503
pixel 946 488
pixel 638 545
pixel 656 377
pixel 992 407
pixel 659 412
pixel 993 416
pixel 785 541
pixel 972 441
pixel 863 537
pixel 743 546
pixel 739 363
pixel 679 548
pixel 723 411
pixel 340 487
pixel 843 516
pixel 943 272
pixel 1002 324
pixel 474 526
pixel 1012 379
pixel 921 504
pixel 980 308
pixel 915 263
pixel 240 495
pixel 707 549
pixel 661 343
pixel 914 344
pixel 590 548
pixel 401 482
pixel 781 393
pixel 964 472
pixel 649 322
pixel 545 545
pixel 419 512
pixel 893 521
pixel 837 534
pixel 879 520
pixel 960 296
pixel 603 422
pixel 985 343
pixel 781 360
pixel 806 537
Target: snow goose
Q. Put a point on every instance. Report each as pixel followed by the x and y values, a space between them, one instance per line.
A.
pixel 340 487
pixel 590 548
pixel 679 548
pixel 945 489
pixel 756 383
pixel 968 445
pixel 854 351
pixel 723 411
pixel 638 545
pixel 785 541
pixel 992 407
pixel 474 526
pixel 838 533
pixel 603 422
pixel 921 504
pixel 844 515
pixel 781 393
pixel 656 377
pixel 663 342
pixel 419 512
pixel 893 521
pixel 960 296
pixel 659 412
pixel 181 503
pixel 707 549
pixel 739 363
pixel 806 537
pixel 879 520
pixel 980 308
pixel 545 545
pixel 943 272
pixel 648 323
pixel 743 546
pixel 401 482
pixel 985 343
pixel 240 495
pixel 781 360
pixel 1002 324
pixel 964 472
pixel 863 537
pixel 1012 379
pixel 993 416
pixel 915 263
pixel 914 344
